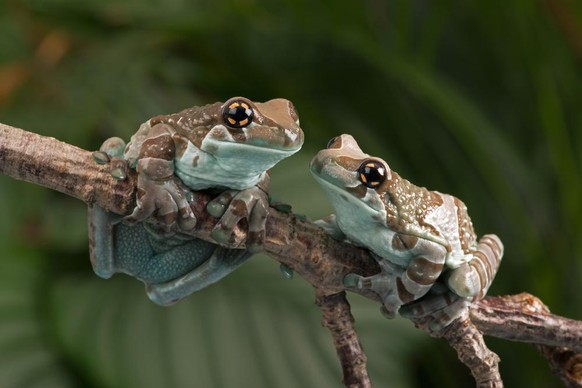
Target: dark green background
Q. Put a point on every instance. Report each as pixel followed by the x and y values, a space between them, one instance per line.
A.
pixel 480 99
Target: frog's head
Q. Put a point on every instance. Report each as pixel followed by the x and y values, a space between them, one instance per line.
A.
pixel 355 182
pixel 251 132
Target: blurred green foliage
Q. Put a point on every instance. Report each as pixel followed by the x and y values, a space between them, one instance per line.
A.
pixel 480 99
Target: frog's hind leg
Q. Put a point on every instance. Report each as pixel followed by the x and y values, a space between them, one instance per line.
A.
pixel 100 222
pixel 222 262
pixel 101 240
pixel 397 285
pixel 472 279
pixel 465 284
pixel 115 247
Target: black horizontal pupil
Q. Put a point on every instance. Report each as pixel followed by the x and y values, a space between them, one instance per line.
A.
pixel 372 174
pixel 238 114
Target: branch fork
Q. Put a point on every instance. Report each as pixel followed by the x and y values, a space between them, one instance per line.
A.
pixel 319 259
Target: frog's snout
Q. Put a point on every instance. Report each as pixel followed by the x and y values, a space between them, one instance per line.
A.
pixel 279 113
pixel 317 163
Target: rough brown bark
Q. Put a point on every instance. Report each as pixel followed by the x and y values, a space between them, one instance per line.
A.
pixel 315 256
pixel 523 317
pixel 337 317
pixel 467 340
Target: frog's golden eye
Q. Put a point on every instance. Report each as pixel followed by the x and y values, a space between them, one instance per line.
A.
pixel 372 173
pixel 238 114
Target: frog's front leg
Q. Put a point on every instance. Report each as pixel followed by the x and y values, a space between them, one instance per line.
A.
pixel 159 192
pixel 329 224
pixel 397 285
pixel 111 152
pixel 232 206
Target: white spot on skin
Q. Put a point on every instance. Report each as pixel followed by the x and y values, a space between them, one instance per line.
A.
pixel 444 219
pixel 291 135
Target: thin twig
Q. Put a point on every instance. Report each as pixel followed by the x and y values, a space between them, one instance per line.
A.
pixel 523 317
pixel 337 317
pixel 467 340
pixel 305 248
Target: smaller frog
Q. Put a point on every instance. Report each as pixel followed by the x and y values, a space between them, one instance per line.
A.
pixel 224 147
pixel 423 240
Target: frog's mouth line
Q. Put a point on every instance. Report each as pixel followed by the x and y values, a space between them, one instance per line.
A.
pixel 254 135
pixel 267 148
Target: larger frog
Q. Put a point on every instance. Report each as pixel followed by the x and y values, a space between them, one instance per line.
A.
pixel 423 240
pixel 227 147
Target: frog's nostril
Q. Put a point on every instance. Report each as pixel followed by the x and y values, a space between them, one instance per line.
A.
pixel 334 142
pixel 330 142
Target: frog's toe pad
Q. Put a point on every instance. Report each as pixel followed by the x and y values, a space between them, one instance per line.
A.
pixel 100 157
pixel 388 313
pixel 255 244
pixel 221 235
pixel 114 147
pixel 218 206
pixel 119 168
pixel 186 221
pixel 353 280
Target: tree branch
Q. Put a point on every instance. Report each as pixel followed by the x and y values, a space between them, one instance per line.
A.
pixel 311 253
pixel 467 340
pixel 337 317
pixel 300 245
pixel 524 318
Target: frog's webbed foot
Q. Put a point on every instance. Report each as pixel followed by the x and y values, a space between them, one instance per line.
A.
pixel 233 206
pixel 111 152
pixel 385 284
pixel 436 310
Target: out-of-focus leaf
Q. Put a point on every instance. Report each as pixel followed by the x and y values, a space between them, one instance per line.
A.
pixel 27 358
pixel 253 329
